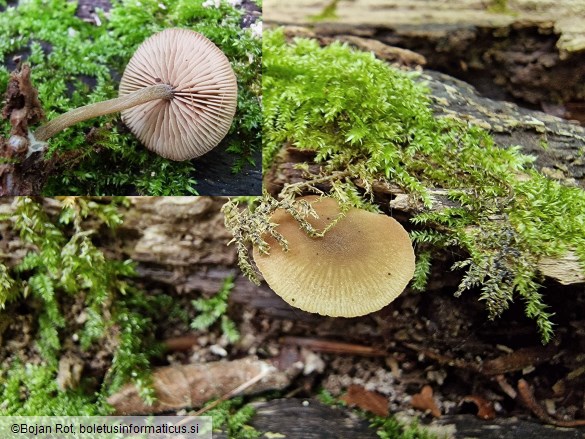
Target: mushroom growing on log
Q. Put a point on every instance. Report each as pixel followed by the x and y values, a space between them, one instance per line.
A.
pixel 178 95
pixel 359 266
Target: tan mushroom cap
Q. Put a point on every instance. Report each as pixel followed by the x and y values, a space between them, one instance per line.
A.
pixel 201 111
pixel 362 264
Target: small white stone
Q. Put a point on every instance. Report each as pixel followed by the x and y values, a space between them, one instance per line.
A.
pixel 218 350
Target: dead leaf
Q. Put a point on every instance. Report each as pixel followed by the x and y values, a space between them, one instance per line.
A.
pixel 519 359
pixel 366 400
pixel 485 408
pixel 424 401
pixel 192 385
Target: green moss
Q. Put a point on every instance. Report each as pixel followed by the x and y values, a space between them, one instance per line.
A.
pixel 31 390
pixel 213 309
pixel 499 6
pixel 64 269
pixel 232 417
pixel 386 427
pixel 329 12
pixel 364 119
pixel 75 63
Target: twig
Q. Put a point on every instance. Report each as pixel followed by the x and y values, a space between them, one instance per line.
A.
pixel 333 347
pixel 506 387
pixel 526 395
pixel 182 343
pixel 292 187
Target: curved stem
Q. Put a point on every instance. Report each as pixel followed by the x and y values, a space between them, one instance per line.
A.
pixel 147 94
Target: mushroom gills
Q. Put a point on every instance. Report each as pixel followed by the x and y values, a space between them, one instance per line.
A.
pixel 359 266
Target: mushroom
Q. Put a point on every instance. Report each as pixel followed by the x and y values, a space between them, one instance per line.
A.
pixel 359 266
pixel 178 95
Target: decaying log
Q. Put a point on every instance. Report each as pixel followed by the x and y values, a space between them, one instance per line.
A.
pixel 308 419
pixel 467 426
pixel 533 50
pixel 301 419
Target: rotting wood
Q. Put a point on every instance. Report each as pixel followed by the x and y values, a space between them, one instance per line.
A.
pixel 530 49
pixel 526 395
pixel 309 419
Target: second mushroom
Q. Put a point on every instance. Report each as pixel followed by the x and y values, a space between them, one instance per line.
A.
pixel 178 95
pixel 359 266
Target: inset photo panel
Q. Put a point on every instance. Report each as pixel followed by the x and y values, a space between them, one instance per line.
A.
pixel 130 97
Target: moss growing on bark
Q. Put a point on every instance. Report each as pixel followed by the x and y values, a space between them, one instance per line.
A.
pixel 61 271
pixel 366 120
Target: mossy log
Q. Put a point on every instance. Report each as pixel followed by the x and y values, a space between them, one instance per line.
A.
pixel 556 144
pixel 180 244
pixel 533 50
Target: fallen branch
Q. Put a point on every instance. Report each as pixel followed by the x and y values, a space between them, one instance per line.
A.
pixel 526 396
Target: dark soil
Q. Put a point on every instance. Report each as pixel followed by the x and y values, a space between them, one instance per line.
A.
pixel 87 9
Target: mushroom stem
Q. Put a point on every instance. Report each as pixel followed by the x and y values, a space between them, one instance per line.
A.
pixel 147 94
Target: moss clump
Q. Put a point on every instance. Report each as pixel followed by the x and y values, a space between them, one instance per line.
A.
pixel 386 428
pixel 76 63
pixel 213 309
pixel 366 120
pixel 232 417
pixel 43 396
pixel 499 6
pixel 329 12
pixel 64 270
